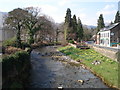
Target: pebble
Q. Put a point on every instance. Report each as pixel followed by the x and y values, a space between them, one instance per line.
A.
pixel 60 87
pixel 96 62
pixel 81 81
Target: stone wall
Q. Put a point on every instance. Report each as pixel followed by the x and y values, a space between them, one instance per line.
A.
pixel 108 53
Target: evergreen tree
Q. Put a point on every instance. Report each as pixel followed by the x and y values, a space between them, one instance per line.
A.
pixel 74 27
pixel 68 24
pixel 117 17
pixel 79 33
pixel 100 22
pixel 74 23
pixel 111 23
pixel 68 17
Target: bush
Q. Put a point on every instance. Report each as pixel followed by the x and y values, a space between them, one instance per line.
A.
pixel 16 85
pixel 24 45
pixel 10 42
pixel 71 41
pixel 15 66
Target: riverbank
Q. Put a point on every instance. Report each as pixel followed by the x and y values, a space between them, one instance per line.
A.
pixel 106 69
pixel 52 69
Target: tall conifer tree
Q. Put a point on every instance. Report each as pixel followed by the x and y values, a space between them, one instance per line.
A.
pixel 117 17
pixel 100 22
pixel 79 33
pixel 68 24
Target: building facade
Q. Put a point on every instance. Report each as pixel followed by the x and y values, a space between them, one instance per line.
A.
pixel 109 36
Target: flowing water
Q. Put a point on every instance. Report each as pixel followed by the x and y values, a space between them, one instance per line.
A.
pixel 47 72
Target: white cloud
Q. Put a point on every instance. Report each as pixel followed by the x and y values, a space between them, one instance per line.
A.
pixel 107 10
pixel 109 7
pixel 62 2
pixel 48 8
pixel 82 15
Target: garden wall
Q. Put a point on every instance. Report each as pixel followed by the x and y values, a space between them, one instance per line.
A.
pixel 108 53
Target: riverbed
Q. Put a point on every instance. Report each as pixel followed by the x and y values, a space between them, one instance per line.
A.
pixel 49 72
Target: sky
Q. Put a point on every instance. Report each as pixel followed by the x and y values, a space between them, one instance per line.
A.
pixel 87 10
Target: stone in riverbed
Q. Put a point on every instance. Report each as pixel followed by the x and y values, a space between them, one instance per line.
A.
pixel 79 61
pixel 81 81
pixel 59 88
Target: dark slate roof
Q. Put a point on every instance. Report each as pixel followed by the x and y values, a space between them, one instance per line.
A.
pixel 107 28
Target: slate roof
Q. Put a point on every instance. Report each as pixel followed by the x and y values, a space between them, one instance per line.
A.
pixel 107 28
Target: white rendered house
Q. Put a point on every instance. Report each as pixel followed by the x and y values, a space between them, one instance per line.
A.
pixel 109 36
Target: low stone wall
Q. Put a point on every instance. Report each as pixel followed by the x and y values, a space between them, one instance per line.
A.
pixel 108 53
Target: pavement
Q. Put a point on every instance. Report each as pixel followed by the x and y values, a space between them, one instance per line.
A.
pixel 109 48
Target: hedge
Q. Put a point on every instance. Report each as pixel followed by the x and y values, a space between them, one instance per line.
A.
pixel 15 68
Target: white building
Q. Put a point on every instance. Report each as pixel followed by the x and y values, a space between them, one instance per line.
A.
pixel 109 36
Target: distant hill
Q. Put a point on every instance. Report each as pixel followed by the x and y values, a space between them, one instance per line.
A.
pixel 90 26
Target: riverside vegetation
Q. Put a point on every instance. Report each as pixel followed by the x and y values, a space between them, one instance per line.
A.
pixel 107 70
pixel 15 64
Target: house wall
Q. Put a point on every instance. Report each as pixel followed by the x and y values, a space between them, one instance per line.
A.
pixel 98 38
pixel 105 38
pixel 116 37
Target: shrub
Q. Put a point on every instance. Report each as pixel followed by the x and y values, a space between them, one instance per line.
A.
pixel 16 85
pixel 24 45
pixel 15 65
pixel 10 42
pixel 71 41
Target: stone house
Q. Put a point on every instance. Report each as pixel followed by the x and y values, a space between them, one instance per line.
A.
pixel 109 36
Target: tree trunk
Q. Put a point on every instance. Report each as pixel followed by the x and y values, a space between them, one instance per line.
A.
pixel 18 37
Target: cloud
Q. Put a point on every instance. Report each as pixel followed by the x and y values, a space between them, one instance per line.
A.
pixel 82 15
pixel 48 8
pixel 62 2
pixel 109 7
pixel 107 10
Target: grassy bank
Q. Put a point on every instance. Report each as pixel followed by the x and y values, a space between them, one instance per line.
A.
pixel 107 70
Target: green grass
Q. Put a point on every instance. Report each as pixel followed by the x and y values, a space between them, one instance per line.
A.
pixel 107 70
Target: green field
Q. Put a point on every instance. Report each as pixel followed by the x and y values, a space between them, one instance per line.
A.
pixel 107 70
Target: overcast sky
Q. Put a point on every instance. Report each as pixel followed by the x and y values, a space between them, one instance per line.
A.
pixel 87 10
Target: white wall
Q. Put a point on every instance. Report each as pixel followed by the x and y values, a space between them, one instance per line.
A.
pixel 106 39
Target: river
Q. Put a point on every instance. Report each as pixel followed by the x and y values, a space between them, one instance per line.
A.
pixel 48 72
